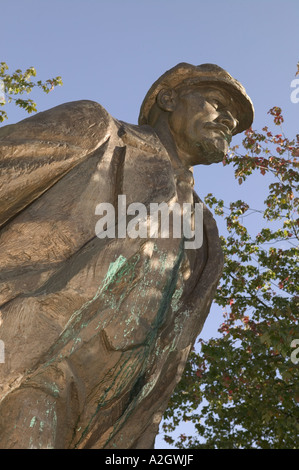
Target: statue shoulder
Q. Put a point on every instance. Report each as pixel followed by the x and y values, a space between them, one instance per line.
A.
pixel 76 115
pixel 83 124
pixel 73 110
pixel 78 108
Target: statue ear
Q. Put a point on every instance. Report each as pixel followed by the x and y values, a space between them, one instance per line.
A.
pixel 167 99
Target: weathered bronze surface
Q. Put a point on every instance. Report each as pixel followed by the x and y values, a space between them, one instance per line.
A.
pixel 97 331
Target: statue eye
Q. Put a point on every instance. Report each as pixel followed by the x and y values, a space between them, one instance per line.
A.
pixel 215 103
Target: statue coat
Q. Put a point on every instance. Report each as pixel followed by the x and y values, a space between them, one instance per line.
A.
pixel 96 331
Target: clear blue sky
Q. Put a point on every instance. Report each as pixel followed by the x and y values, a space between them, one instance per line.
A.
pixel 111 51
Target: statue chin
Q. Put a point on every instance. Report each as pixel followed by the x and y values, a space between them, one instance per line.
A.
pixel 211 151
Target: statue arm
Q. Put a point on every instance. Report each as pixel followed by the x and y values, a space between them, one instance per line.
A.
pixel 36 152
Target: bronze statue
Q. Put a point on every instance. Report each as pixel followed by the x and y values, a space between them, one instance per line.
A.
pixel 97 331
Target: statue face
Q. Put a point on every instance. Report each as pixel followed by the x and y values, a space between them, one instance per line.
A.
pixel 201 123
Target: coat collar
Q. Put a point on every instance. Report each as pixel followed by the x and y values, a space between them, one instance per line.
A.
pixel 145 138
pixel 142 137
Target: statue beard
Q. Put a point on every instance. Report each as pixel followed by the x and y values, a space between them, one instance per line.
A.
pixel 212 150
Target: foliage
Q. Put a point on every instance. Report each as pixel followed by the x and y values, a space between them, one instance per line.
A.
pixel 245 380
pixel 19 83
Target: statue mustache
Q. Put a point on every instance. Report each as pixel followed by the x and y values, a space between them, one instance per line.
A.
pixel 221 127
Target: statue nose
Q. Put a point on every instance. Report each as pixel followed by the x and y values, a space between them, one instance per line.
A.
pixel 228 120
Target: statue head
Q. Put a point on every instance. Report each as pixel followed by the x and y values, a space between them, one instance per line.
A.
pixel 202 107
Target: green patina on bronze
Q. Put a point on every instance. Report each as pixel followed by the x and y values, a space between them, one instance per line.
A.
pixel 144 353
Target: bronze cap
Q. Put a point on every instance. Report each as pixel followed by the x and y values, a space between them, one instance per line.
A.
pixel 205 74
